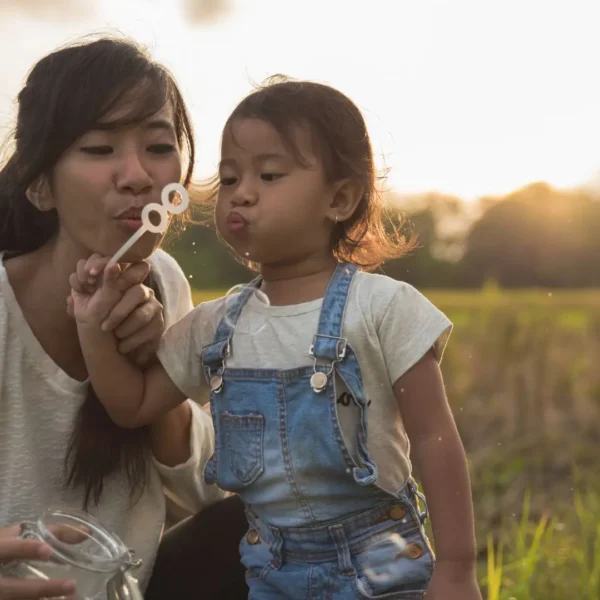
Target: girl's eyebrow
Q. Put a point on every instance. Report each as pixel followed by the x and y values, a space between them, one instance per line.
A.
pixel 259 158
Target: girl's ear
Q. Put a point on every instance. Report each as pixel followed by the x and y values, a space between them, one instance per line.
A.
pixel 344 200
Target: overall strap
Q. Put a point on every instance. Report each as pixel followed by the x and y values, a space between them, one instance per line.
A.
pixel 219 349
pixel 328 344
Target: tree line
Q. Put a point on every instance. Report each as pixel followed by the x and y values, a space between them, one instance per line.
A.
pixel 537 236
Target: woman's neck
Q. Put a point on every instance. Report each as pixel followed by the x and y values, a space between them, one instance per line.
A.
pixel 40 281
pixel 45 273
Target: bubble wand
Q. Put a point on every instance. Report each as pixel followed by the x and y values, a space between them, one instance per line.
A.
pixel 163 209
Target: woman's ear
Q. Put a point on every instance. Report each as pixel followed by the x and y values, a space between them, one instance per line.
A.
pixel 346 196
pixel 40 194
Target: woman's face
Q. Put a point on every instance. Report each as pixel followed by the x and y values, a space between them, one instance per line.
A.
pixel 101 183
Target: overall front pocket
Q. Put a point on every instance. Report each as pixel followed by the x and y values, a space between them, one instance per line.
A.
pixel 244 436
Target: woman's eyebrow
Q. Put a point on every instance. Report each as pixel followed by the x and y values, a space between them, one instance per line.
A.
pixel 161 124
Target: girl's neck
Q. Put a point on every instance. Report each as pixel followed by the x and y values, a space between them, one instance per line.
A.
pixel 297 282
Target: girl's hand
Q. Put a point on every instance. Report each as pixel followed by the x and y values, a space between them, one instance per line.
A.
pixel 13 548
pixel 137 318
pixel 94 290
pixel 97 288
pixel 449 584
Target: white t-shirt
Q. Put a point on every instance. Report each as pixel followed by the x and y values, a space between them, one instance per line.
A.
pixel 38 402
pixel 389 325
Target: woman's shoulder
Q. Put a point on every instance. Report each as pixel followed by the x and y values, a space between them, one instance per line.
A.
pixel 166 266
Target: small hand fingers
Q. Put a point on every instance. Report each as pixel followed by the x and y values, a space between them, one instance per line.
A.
pixel 81 272
pixel 83 279
pixel 94 267
pixel 76 284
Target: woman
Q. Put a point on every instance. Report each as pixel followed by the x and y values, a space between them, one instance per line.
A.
pixel 101 129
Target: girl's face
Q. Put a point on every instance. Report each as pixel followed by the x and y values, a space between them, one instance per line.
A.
pixel 101 183
pixel 271 209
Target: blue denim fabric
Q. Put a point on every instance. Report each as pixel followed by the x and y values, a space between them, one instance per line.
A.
pixel 316 514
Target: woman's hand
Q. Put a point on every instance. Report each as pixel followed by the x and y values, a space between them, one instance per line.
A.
pixel 138 323
pixel 136 318
pixel 12 548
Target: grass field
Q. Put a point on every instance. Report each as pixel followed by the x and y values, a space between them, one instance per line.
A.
pixel 521 373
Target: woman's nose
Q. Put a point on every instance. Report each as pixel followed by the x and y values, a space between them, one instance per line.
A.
pixel 133 176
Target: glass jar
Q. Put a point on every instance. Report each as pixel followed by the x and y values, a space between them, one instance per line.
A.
pixel 84 551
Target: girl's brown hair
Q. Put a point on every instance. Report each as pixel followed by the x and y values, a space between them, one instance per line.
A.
pixel 66 94
pixel 370 237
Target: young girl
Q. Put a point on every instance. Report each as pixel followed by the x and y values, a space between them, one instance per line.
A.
pixel 315 411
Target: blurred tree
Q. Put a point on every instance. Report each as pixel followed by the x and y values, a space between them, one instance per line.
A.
pixel 438 221
pixel 536 236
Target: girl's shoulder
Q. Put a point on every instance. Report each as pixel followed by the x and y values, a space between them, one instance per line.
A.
pixel 405 323
pixel 376 294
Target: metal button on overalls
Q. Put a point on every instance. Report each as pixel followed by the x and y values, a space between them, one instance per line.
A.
pixel 413 551
pixel 253 537
pixel 397 512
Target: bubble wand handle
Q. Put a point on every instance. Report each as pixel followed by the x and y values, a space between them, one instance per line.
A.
pixel 130 242
pixel 163 209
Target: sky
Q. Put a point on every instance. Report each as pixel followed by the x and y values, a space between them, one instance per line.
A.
pixel 465 97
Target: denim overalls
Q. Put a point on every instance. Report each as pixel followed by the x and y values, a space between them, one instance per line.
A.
pixel 320 528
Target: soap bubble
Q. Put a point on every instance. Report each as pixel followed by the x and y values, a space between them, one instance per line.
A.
pixel 259 319
pixel 380 558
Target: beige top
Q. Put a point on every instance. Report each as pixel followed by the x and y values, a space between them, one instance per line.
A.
pixel 389 325
pixel 38 402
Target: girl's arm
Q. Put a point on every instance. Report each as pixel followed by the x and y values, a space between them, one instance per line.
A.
pixel 440 459
pixel 132 396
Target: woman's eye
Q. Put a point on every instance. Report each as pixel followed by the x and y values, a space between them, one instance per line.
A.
pixel 97 150
pixel 161 148
pixel 271 176
pixel 228 180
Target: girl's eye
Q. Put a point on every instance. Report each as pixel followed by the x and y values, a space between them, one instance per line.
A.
pixel 272 176
pixel 228 180
pixel 161 148
pixel 97 150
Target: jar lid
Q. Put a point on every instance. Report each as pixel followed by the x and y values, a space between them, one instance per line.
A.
pixel 80 539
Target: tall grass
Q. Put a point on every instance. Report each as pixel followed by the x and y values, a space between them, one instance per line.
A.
pixel 547 560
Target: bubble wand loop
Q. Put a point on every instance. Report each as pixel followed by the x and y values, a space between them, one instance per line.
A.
pixel 163 209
